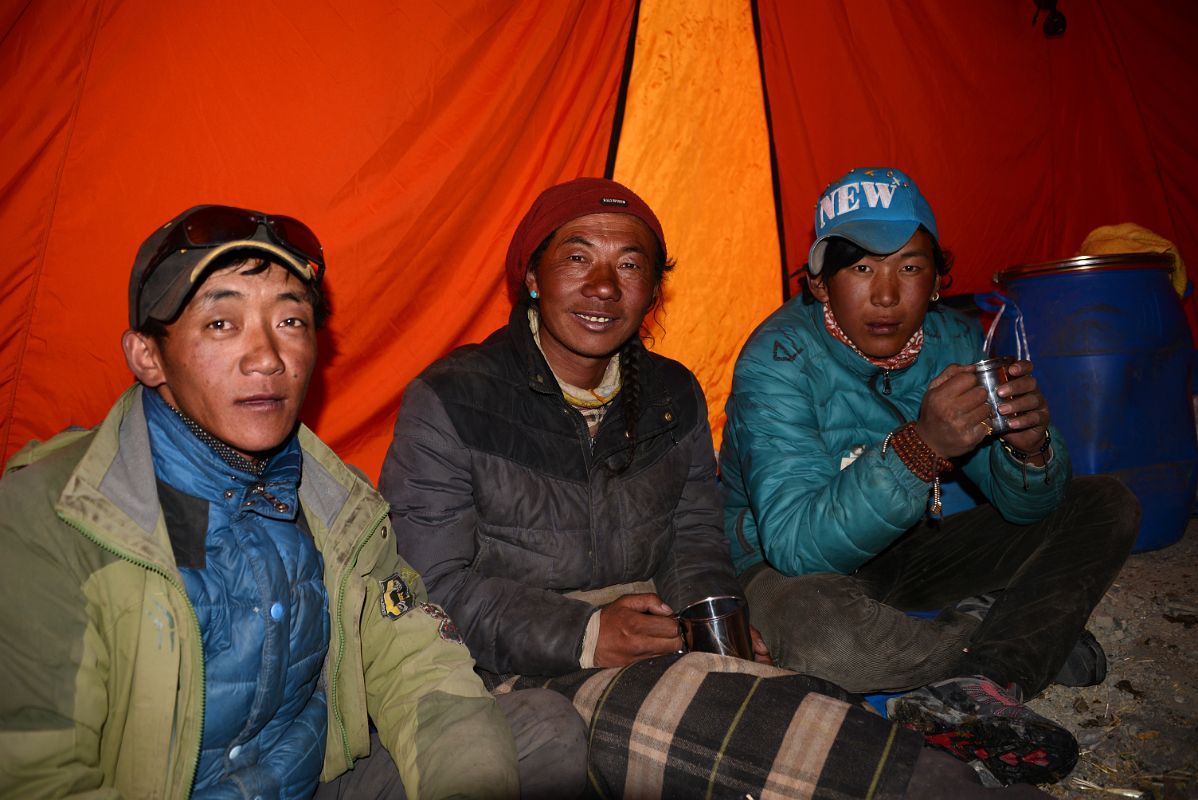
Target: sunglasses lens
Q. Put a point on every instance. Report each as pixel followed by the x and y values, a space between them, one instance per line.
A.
pixel 298 237
pixel 213 226
pixel 206 227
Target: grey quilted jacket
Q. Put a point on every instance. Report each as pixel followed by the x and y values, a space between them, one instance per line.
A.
pixel 502 503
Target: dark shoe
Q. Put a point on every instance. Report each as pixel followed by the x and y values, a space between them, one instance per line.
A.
pixel 975 719
pixel 1086 664
pixel 977 606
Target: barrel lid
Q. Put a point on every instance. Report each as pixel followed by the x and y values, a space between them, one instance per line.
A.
pixel 1086 264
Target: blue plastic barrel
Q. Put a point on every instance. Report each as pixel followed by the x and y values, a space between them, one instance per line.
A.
pixel 1113 355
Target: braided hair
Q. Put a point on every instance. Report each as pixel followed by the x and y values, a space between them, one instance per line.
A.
pixel 630 368
pixel 632 352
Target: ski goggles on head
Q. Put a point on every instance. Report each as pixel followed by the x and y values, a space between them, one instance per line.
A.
pixel 192 241
pixel 212 226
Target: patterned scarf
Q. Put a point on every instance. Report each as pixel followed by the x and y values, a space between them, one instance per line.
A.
pixel 591 403
pixel 903 358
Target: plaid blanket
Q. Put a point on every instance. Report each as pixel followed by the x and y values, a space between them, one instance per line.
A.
pixel 706 726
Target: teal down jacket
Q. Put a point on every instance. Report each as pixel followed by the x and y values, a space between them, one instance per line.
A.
pixel 807 488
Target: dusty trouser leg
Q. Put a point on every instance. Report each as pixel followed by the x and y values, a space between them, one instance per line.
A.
pixel 374 777
pixel 551 751
pixel 939 776
pixel 1052 573
pixel 551 743
pixel 829 626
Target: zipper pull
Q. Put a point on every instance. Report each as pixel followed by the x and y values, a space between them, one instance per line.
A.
pixel 886 381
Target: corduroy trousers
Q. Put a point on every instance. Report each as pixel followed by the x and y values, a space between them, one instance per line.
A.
pixel 854 630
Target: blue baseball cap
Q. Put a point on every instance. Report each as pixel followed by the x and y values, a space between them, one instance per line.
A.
pixel 876 208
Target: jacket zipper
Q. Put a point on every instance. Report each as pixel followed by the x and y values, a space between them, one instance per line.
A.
pixel 588 442
pixel 881 395
pixel 195 626
pixel 334 704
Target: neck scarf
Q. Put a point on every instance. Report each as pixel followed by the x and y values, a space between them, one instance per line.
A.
pixel 903 358
pixel 591 403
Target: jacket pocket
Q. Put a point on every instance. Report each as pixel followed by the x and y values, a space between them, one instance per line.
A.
pixel 548 558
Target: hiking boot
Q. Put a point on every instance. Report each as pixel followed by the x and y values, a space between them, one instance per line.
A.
pixel 975 719
pixel 1086 663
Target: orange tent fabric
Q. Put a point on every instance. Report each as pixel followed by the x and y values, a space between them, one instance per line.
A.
pixel 410 136
pixel 708 179
pixel 1023 144
pixel 413 135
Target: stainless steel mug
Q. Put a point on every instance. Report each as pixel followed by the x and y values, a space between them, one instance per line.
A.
pixel 992 373
pixel 716 625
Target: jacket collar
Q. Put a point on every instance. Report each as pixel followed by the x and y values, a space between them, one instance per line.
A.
pixel 106 493
pixel 111 493
pixel 186 462
pixel 838 350
pixel 658 412
pixel 536 368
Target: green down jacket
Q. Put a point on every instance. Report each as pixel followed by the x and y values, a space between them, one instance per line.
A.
pixel 101 669
pixel 807 488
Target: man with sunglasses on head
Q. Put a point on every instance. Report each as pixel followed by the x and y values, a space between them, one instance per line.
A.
pixel 200 598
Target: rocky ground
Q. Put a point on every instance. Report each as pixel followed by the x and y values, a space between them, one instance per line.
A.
pixel 1138 731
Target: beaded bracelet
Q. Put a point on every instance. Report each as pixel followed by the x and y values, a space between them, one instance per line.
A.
pixel 1022 458
pixel 924 462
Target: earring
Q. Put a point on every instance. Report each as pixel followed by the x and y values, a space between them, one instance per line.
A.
pixel 533 294
pixel 935 295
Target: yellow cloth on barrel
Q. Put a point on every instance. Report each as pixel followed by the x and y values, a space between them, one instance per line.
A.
pixel 1132 238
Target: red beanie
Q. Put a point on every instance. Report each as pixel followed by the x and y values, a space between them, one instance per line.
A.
pixel 558 205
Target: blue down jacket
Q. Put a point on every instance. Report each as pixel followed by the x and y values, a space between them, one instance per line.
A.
pixel 255 579
pixel 806 486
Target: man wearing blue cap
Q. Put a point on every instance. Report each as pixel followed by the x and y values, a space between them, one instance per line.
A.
pixel 200 599
pixel 848 406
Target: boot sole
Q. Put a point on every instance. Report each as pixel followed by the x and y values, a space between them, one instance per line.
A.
pixel 1014 750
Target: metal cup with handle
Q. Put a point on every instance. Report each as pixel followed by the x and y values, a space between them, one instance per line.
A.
pixel 716 625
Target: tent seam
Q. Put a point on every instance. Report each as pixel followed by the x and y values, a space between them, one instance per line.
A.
pixel 40 262
pixel 617 124
pixel 775 178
